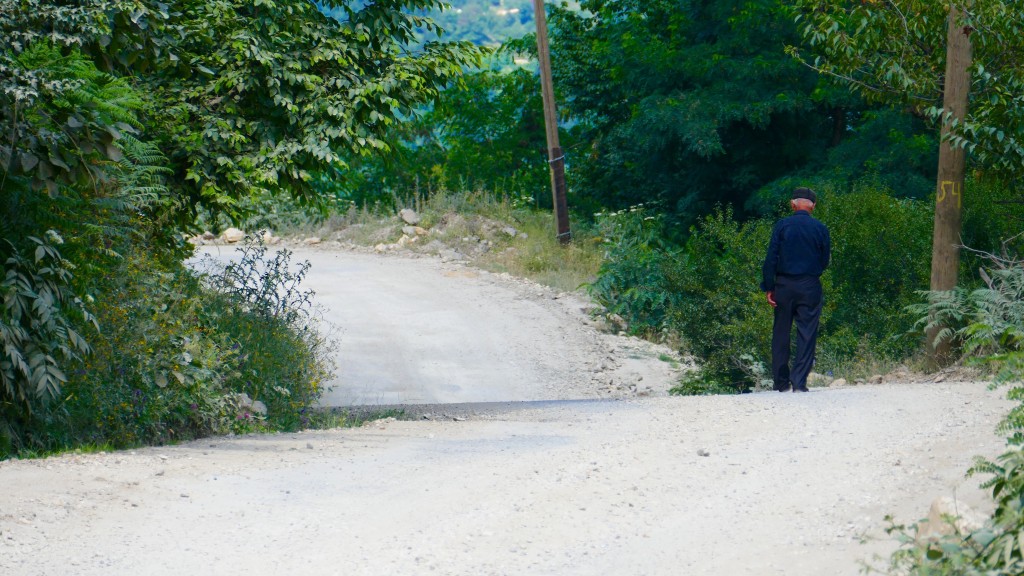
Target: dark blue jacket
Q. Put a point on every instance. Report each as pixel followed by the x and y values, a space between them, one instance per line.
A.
pixel 800 246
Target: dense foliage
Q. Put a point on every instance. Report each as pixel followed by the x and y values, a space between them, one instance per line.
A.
pixel 885 145
pixel 121 119
pixel 69 189
pixel 685 103
pixel 36 330
pixel 243 98
pixel 895 52
pixel 486 132
pixel 706 291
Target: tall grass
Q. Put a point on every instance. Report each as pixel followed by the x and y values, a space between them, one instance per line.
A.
pixel 479 225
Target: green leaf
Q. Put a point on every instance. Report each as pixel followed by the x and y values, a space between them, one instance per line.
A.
pixel 114 152
pixel 28 161
pixel 56 160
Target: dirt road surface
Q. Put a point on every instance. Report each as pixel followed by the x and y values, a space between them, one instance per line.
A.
pixel 418 331
pixel 766 484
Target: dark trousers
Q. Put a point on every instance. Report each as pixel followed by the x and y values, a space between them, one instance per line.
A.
pixel 798 299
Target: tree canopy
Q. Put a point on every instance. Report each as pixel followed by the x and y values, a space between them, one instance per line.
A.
pixel 123 117
pixel 691 103
pixel 894 52
pixel 243 97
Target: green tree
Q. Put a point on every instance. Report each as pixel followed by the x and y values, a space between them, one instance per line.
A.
pixel 279 91
pixel 485 131
pixel 250 98
pixel 691 103
pixel 895 52
pixel 121 117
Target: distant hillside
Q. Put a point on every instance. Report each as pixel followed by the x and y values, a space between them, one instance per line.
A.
pixel 487 22
pixel 482 22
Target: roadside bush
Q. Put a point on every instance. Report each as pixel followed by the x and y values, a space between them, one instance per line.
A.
pixel 159 368
pixel 881 257
pixel 706 293
pixel 993 335
pixel 181 355
pixel 632 281
pixel 283 358
pixel 721 313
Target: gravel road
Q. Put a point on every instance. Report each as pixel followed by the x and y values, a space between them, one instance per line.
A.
pixel 764 484
pixel 419 331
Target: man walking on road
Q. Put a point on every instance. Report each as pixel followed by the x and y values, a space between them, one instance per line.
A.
pixel 798 253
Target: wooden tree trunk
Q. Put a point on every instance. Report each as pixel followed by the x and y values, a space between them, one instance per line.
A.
pixel 949 192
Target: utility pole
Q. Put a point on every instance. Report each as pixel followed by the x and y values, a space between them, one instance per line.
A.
pixel 556 157
pixel 949 192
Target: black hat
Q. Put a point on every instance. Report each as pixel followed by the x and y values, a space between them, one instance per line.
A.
pixel 805 193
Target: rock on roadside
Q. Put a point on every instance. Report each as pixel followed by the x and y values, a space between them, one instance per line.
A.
pixel 947 517
pixel 233 235
pixel 409 216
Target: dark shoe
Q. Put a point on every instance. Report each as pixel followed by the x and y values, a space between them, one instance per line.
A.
pixel 782 387
pixel 800 390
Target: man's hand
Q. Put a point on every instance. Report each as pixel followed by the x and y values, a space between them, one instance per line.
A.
pixel 771 298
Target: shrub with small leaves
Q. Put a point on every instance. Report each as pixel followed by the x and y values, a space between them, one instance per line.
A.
pixel 631 281
pixel 268 286
pixel 284 357
pixel 722 314
pixel 704 293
